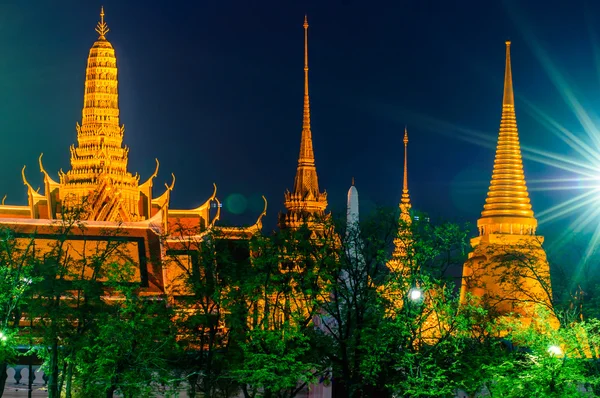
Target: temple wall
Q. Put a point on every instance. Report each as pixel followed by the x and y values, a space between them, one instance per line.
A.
pixel 86 242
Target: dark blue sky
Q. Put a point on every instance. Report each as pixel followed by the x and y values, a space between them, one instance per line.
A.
pixel 213 89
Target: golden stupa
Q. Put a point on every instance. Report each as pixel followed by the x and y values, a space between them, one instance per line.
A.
pixel 507 269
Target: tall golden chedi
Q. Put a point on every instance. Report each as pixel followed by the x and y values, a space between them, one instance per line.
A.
pixel 507 268
pixel 400 259
pixel 306 203
pixel 99 162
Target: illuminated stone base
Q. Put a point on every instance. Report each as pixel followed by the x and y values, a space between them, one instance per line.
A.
pixel 508 274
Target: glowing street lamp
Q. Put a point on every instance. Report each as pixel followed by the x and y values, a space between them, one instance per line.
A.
pixel 415 294
pixel 555 351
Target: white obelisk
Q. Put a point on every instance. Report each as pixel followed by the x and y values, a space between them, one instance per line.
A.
pixel 352 210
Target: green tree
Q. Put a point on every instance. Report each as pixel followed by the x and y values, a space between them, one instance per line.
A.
pixel 15 287
pixel 382 337
pixel 211 309
pixel 68 294
pixel 275 361
pixel 544 361
pixel 134 339
pixel 290 270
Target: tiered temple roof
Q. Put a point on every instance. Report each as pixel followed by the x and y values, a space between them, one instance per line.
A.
pixel 114 202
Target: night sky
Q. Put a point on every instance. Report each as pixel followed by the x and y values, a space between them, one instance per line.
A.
pixel 213 89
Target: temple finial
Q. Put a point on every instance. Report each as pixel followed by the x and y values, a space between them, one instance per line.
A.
pixel 305 201
pixel 102 28
pixel 307 156
pixel 306 118
pixel 405 185
pixel 509 97
pixel 352 181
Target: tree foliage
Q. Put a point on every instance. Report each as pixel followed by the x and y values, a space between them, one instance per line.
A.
pixel 271 315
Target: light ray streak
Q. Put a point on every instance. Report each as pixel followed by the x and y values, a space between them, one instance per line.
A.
pixel 560 158
pixel 564 134
pixel 562 188
pixel 559 81
pixel 554 209
pixel 448 129
pixel 489 141
pixel 591 247
pixel 557 164
pixel 593 39
pixel 563 179
pixel 576 226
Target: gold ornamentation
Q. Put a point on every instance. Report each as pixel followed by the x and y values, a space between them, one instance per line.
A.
pixel 404 238
pixel 306 202
pixel 102 28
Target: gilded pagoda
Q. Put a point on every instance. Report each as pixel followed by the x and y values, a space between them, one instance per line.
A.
pixel 507 268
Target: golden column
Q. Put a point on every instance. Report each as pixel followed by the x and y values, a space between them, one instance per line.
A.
pixel 305 204
pixel 508 268
pixel 99 161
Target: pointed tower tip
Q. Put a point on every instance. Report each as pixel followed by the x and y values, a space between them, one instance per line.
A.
pixel 101 27
pixel 509 96
pixel 405 198
pixel 352 181
pixel 306 118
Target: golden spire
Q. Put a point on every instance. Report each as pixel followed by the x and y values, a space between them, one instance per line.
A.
pixel 509 96
pixel 507 208
pixel 306 175
pixel 306 118
pixel 405 200
pixel 102 28
pixel 306 199
pixel 307 155
pixel 403 241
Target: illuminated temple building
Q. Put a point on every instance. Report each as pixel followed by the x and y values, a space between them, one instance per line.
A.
pixel 114 201
pixel 117 203
pixel 508 268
